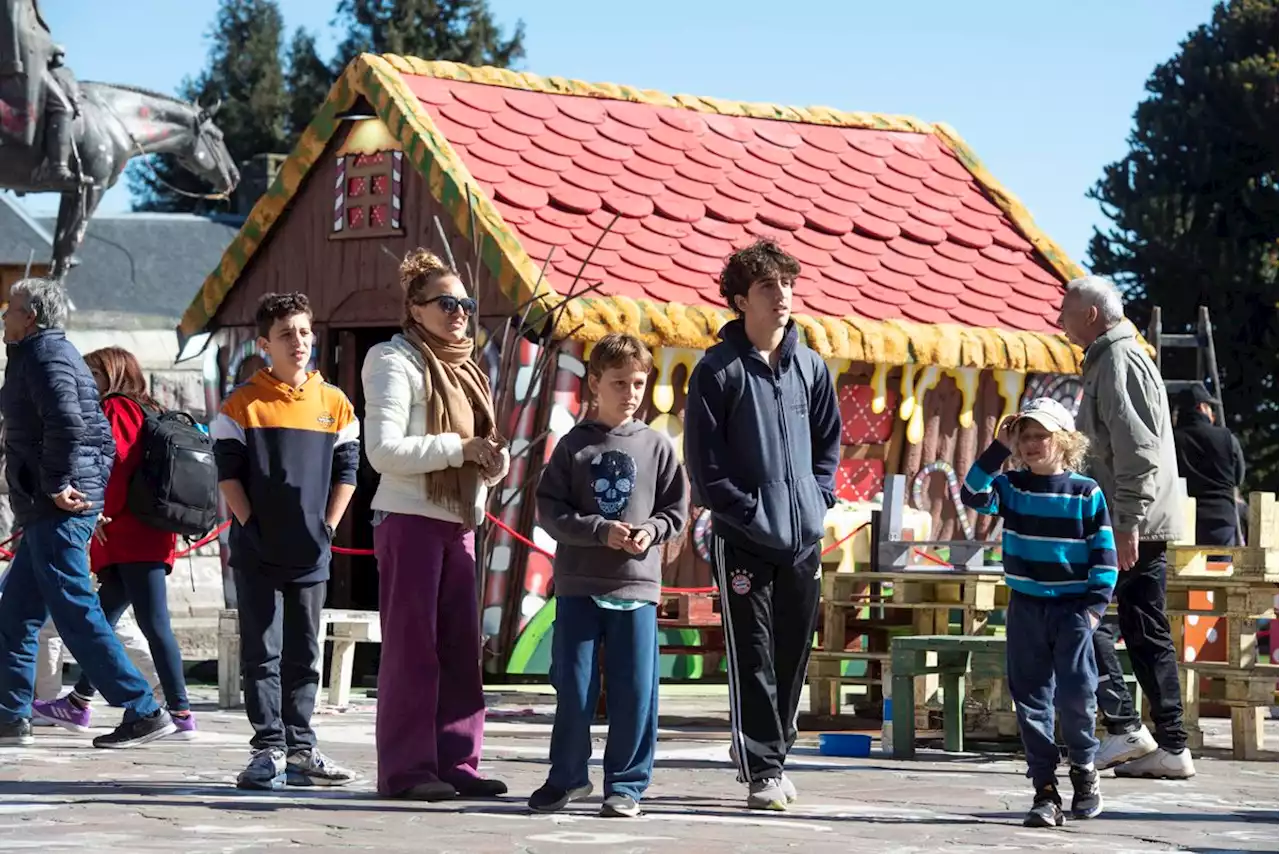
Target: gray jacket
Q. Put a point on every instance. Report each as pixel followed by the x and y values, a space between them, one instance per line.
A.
pixel 1125 414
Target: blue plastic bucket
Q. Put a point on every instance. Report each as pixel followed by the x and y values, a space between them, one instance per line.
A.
pixel 844 744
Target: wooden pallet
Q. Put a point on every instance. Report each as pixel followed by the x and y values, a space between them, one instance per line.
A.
pixel 690 609
pixel 1247 692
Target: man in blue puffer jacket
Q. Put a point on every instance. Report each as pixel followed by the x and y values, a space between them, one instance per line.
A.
pixel 762 442
pixel 58 456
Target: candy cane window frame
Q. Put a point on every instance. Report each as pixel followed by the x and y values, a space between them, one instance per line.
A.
pixel 367 195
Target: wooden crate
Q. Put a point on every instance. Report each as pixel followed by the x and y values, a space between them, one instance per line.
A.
pixel 690 609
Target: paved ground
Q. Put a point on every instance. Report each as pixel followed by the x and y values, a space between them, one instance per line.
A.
pixel 64 795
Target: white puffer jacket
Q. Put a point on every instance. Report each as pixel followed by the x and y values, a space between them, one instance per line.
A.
pixel 395 434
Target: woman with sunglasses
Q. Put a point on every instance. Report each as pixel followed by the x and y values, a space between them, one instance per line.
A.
pixel 430 431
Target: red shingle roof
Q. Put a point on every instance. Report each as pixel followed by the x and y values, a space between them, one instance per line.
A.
pixel 886 224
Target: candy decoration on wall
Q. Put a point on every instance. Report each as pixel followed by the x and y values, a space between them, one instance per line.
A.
pixel 340 193
pixel 953 490
pixel 702 534
pixel 1010 385
pixel 879 384
pixel 667 359
pixel 967 382
pixel 908 406
pixel 1067 389
pixel 397 169
pixel 915 421
pixel 859 423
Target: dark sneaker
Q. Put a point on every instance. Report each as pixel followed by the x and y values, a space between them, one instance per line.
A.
pixel 313 768
pixel 552 799
pixel 61 712
pixel 1046 810
pixel 137 732
pixel 1087 800
pixel 16 733
pixel 431 791
pixel 619 806
pixel 479 787
pixel 266 770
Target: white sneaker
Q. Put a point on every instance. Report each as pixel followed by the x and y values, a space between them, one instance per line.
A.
pixel 766 795
pixel 1160 764
pixel 789 789
pixel 1116 749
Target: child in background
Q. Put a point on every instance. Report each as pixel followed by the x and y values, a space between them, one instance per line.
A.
pixel 611 494
pixel 1060 565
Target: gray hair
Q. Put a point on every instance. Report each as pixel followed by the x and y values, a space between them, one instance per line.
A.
pixel 1101 292
pixel 47 300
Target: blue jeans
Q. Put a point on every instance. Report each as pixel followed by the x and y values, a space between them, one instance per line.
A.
pixel 631 669
pixel 49 576
pixel 1049 657
pixel 143 586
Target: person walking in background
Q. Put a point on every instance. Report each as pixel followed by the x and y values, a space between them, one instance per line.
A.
pixel 611 494
pixel 432 435
pixel 51 657
pixel 1125 414
pixel 287 445
pixel 1060 565
pixel 58 457
pixel 1211 461
pixel 131 559
pixel 762 442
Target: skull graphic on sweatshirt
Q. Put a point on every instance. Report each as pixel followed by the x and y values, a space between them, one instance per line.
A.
pixel 613 476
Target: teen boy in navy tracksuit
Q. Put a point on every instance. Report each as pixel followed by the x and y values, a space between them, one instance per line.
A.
pixel 762 442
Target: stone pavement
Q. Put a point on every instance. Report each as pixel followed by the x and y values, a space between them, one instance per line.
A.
pixel 178 797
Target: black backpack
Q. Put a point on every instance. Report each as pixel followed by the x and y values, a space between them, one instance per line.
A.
pixel 175 487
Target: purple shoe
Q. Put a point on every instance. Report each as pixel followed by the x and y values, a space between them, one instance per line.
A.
pixel 62 712
pixel 186 728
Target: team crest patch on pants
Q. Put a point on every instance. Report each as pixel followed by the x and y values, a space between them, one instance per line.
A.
pixel 741 582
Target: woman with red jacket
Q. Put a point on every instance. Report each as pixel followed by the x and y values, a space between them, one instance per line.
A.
pixel 131 558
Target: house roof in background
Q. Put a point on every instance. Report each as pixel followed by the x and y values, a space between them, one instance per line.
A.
pixel 145 263
pixel 20 234
pixel 913 252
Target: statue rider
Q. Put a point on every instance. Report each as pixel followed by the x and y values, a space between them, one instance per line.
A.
pixel 61 107
pixel 31 68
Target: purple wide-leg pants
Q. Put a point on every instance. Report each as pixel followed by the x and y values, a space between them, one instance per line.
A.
pixel 430 695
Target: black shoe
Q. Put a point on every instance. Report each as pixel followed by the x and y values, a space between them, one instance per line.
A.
pixel 479 787
pixel 432 791
pixel 16 733
pixel 1087 800
pixel 1046 811
pixel 619 806
pixel 137 732
pixel 551 799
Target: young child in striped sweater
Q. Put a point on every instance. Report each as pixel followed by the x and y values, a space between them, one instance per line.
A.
pixel 1060 565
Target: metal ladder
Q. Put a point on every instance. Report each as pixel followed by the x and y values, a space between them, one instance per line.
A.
pixel 1206 357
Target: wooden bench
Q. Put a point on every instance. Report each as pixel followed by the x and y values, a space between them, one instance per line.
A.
pixel 343 628
pixel 952 659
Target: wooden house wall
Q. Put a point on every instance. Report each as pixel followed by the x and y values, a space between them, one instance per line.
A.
pixel 351 281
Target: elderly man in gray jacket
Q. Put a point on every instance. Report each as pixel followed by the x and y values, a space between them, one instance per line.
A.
pixel 1125 414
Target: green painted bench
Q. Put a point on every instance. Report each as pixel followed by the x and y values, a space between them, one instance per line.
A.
pixel 957 656
pixel 909 658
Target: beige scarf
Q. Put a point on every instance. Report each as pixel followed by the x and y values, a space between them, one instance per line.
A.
pixel 459 401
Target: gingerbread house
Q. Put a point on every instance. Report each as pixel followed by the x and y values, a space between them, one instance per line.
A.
pixel 926 286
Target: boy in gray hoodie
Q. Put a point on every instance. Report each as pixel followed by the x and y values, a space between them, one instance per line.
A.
pixel 611 494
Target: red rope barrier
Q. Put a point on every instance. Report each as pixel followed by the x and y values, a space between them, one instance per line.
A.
pixel 205 540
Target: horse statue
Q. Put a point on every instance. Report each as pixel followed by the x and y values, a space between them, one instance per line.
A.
pixel 115 124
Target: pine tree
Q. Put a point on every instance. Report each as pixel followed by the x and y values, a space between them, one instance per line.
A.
pixel 1193 208
pixel 307 80
pixel 243 71
pixel 458 30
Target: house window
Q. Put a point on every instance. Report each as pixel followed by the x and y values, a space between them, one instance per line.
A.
pixel 367 189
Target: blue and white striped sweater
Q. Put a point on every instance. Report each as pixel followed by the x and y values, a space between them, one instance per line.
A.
pixel 1057 532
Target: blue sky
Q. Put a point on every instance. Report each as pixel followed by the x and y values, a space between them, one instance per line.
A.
pixel 1044 92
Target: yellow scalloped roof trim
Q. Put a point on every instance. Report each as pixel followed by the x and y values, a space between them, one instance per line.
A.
pixel 378 79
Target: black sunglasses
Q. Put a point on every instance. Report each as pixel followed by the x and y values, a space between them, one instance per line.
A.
pixel 449 304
